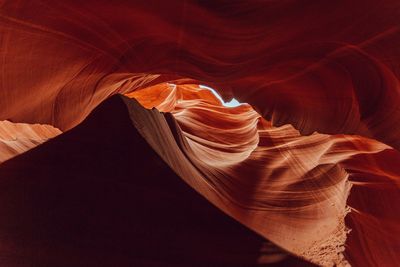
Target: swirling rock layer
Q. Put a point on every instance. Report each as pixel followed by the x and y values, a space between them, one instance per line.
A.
pixel 318 137
pixel 290 188
pixel 16 138
pixel 105 198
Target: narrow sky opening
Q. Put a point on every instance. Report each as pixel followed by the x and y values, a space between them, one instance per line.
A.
pixel 230 104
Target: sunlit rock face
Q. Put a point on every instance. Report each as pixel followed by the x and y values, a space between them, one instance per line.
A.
pixel 16 138
pixel 292 189
pixel 310 158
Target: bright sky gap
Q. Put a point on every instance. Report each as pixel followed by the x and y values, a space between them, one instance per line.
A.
pixel 231 104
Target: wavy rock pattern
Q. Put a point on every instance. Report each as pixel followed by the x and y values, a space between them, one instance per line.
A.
pixel 326 67
pixel 321 80
pixel 290 188
pixel 16 138
pixel 51 213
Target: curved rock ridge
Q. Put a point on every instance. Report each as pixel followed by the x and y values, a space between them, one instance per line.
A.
pixel 290 188
pixel 321 79
pixel 16 138
pixel 100 196
pixel 330 67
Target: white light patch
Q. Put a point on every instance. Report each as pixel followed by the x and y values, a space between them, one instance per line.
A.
pixel 230 104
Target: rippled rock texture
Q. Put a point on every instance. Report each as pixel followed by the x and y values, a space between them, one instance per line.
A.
pixel 309 161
